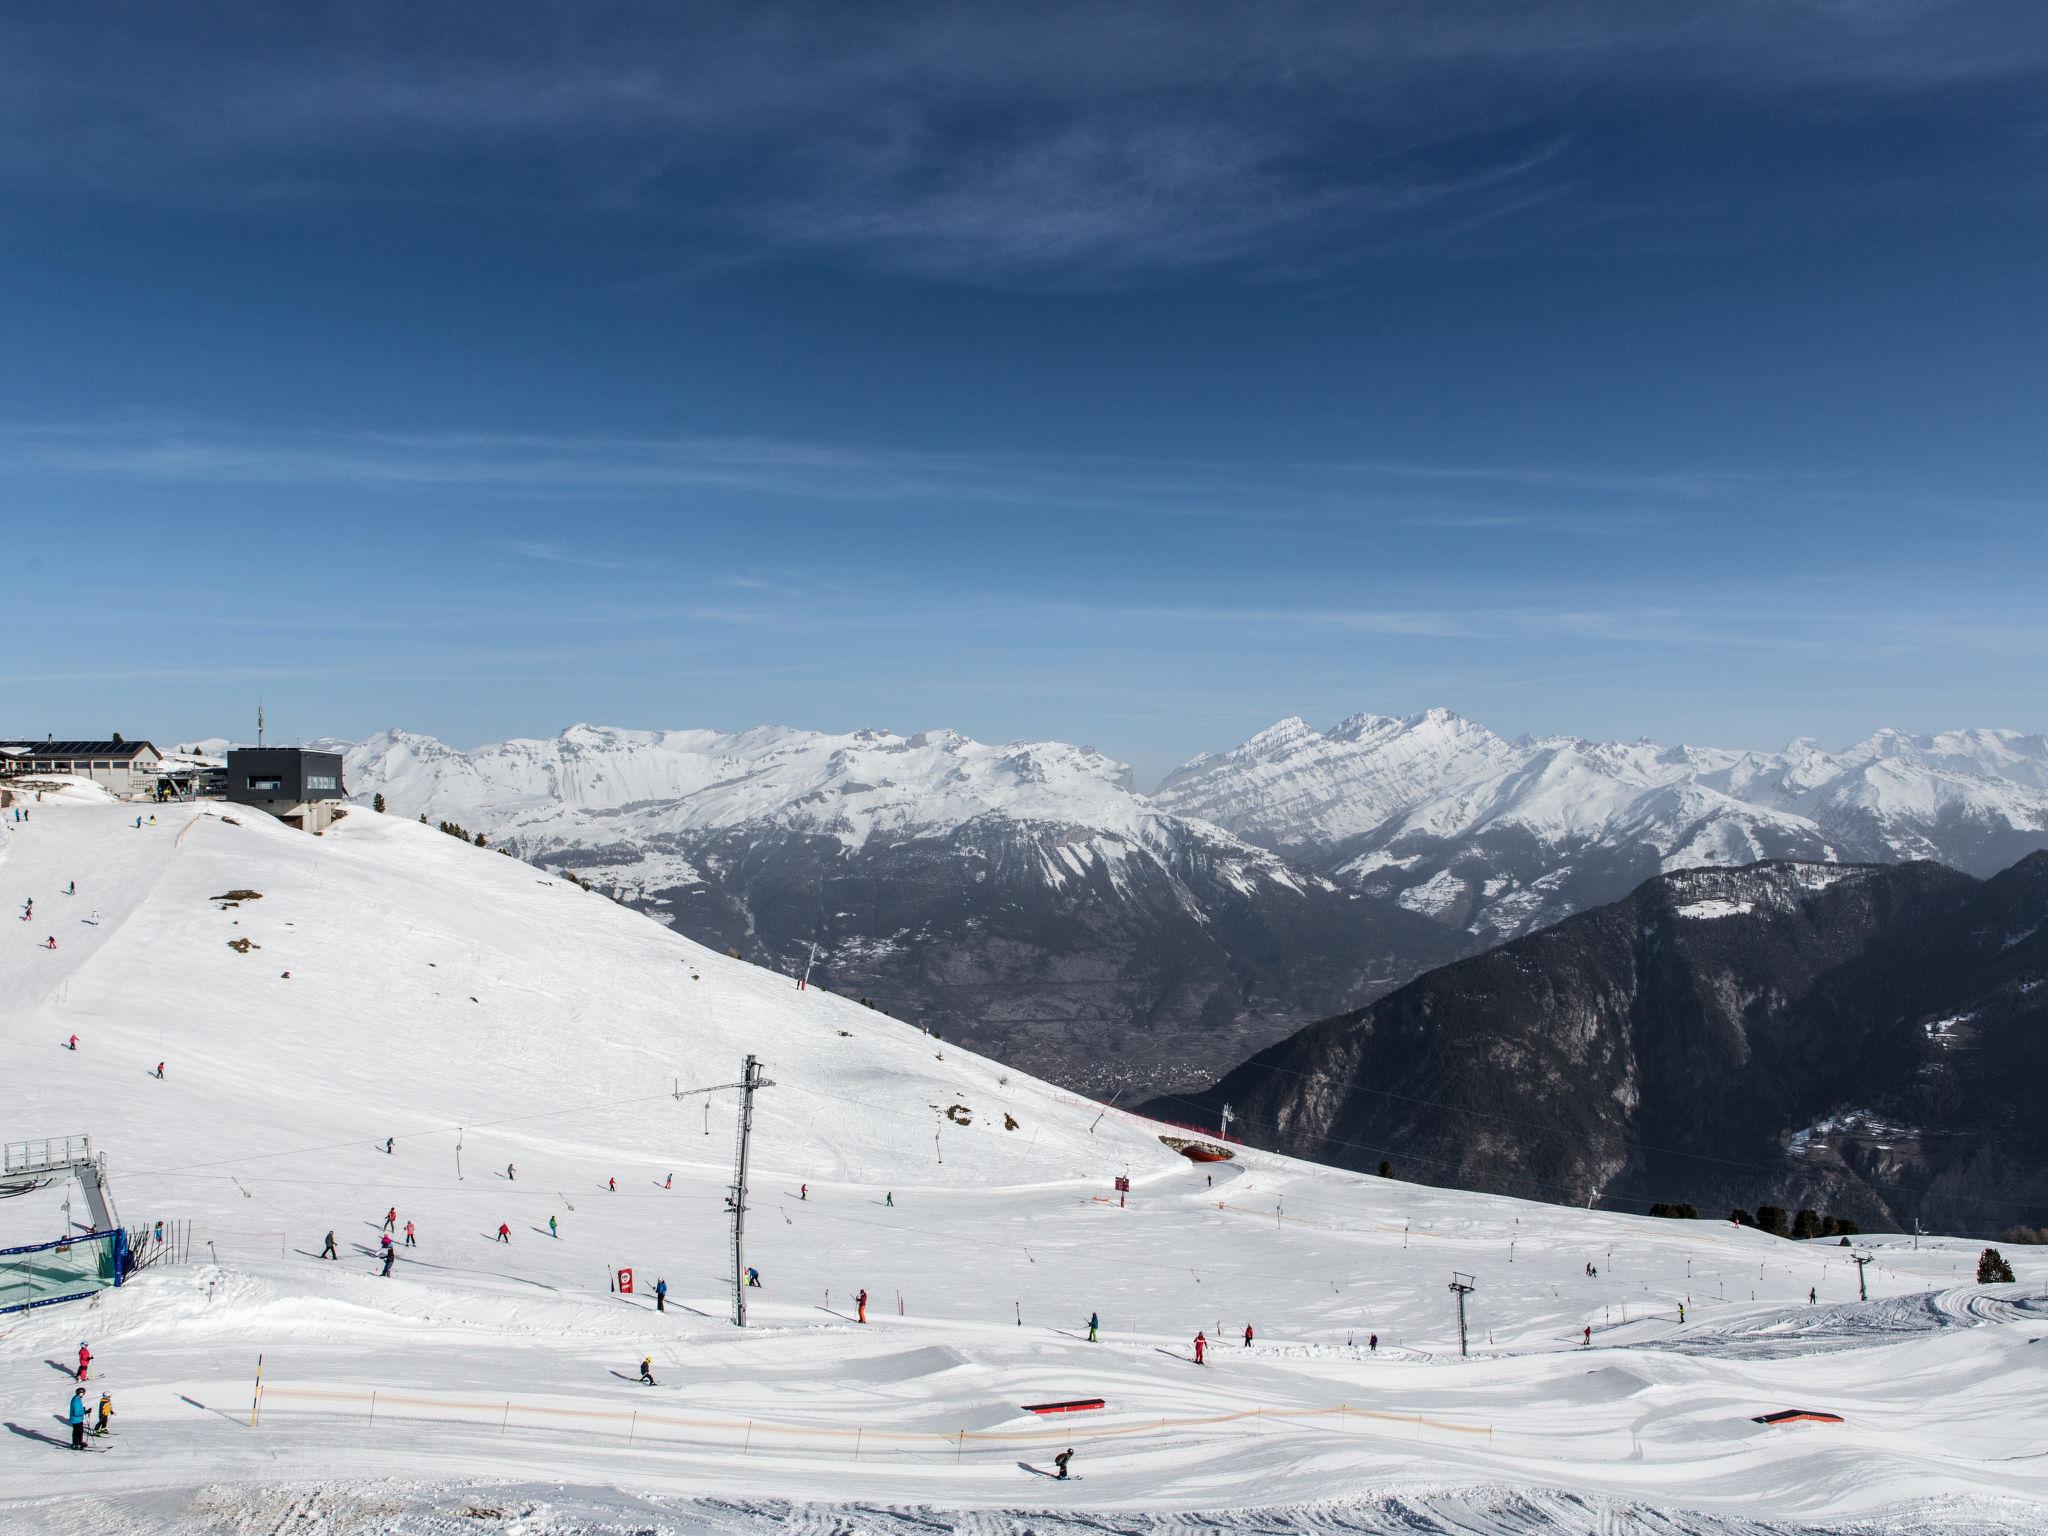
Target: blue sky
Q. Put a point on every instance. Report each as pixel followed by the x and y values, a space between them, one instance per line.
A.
pixel 1128 375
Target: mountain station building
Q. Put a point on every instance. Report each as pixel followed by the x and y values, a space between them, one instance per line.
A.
pixel 124 767
pixel 300 788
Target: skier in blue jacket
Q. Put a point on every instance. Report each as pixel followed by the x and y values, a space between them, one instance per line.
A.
pixel 75 1416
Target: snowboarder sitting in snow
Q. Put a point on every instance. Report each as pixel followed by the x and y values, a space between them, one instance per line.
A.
pixel 647 1369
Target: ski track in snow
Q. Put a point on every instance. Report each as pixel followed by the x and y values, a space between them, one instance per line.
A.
pixel 488 1386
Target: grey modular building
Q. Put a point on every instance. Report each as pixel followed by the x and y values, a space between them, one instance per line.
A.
pixel 300 788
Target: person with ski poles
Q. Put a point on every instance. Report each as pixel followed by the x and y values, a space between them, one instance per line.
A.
pixel 410 1240
pixel 1094 1321
pixel 511 1173
pixel 391 1219
pixel 328 1252
pixel 504 1234
pixel 860 1302
pixel 106 1413
pixel 1247 1335
pixel 390 1258
pixel 1201 1347
pixel 661 1295
pixel 75 1417
pixel 551 1228
pixel 613 1184
pixel 84 1359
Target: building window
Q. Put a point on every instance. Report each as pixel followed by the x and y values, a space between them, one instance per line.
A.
pixel 273 785
pixel 319 781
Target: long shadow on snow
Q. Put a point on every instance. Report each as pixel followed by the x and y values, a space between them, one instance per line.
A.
pixel 36 1434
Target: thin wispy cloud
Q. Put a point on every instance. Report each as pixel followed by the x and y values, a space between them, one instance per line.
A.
pixel 476 468
pixel 1055 144
pixel 562 554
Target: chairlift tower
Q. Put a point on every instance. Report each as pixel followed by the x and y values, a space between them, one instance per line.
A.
pixel 1862 1290
pixel 1223 1129
pixel 1462 1285
pixel 736 1197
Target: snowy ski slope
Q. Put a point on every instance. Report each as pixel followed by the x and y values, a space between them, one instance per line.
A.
pixel 489 1386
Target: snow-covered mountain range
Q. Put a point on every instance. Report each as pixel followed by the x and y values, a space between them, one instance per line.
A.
pixel 1500 836
pixel 1023 897
pixel 1029 899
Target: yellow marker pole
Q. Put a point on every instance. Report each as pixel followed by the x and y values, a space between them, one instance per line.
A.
pixel 256 1398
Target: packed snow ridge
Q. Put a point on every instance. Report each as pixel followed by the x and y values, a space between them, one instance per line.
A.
pixel 520 1042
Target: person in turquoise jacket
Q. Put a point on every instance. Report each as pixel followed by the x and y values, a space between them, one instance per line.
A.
pixel 75 1416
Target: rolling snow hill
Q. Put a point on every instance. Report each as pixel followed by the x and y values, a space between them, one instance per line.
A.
pixel 310 997
pixel 1500 838
pixel 1021 898
pixel 1863 1040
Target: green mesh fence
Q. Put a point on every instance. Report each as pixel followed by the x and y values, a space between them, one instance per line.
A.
pixel 62 1271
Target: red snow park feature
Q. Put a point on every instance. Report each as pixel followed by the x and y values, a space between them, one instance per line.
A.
pixel 1797 1416
pixel 1198 1151
pixel 1075 1405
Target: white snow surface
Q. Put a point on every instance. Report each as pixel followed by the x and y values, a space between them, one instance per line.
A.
pixel 488 1387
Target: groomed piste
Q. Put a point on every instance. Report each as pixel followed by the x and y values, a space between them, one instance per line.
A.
pixel 521 1044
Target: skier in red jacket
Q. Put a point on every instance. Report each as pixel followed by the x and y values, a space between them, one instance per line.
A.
pixel 1247 1335
pixel 504 1233
pixel 1201 1347
pixel 84 1359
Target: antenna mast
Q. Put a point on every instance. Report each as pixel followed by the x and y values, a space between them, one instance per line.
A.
pixel 259 722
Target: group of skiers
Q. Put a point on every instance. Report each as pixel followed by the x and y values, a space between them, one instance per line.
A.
pixel 75 1415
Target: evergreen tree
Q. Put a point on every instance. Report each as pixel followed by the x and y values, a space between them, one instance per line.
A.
pixel 1741 1218
pixel 1992 1268
pixel 377 804
pixel 480 840
pixel 118 738
pixel 1386 1169
pixel 1771 1219
pixel 1806 1224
